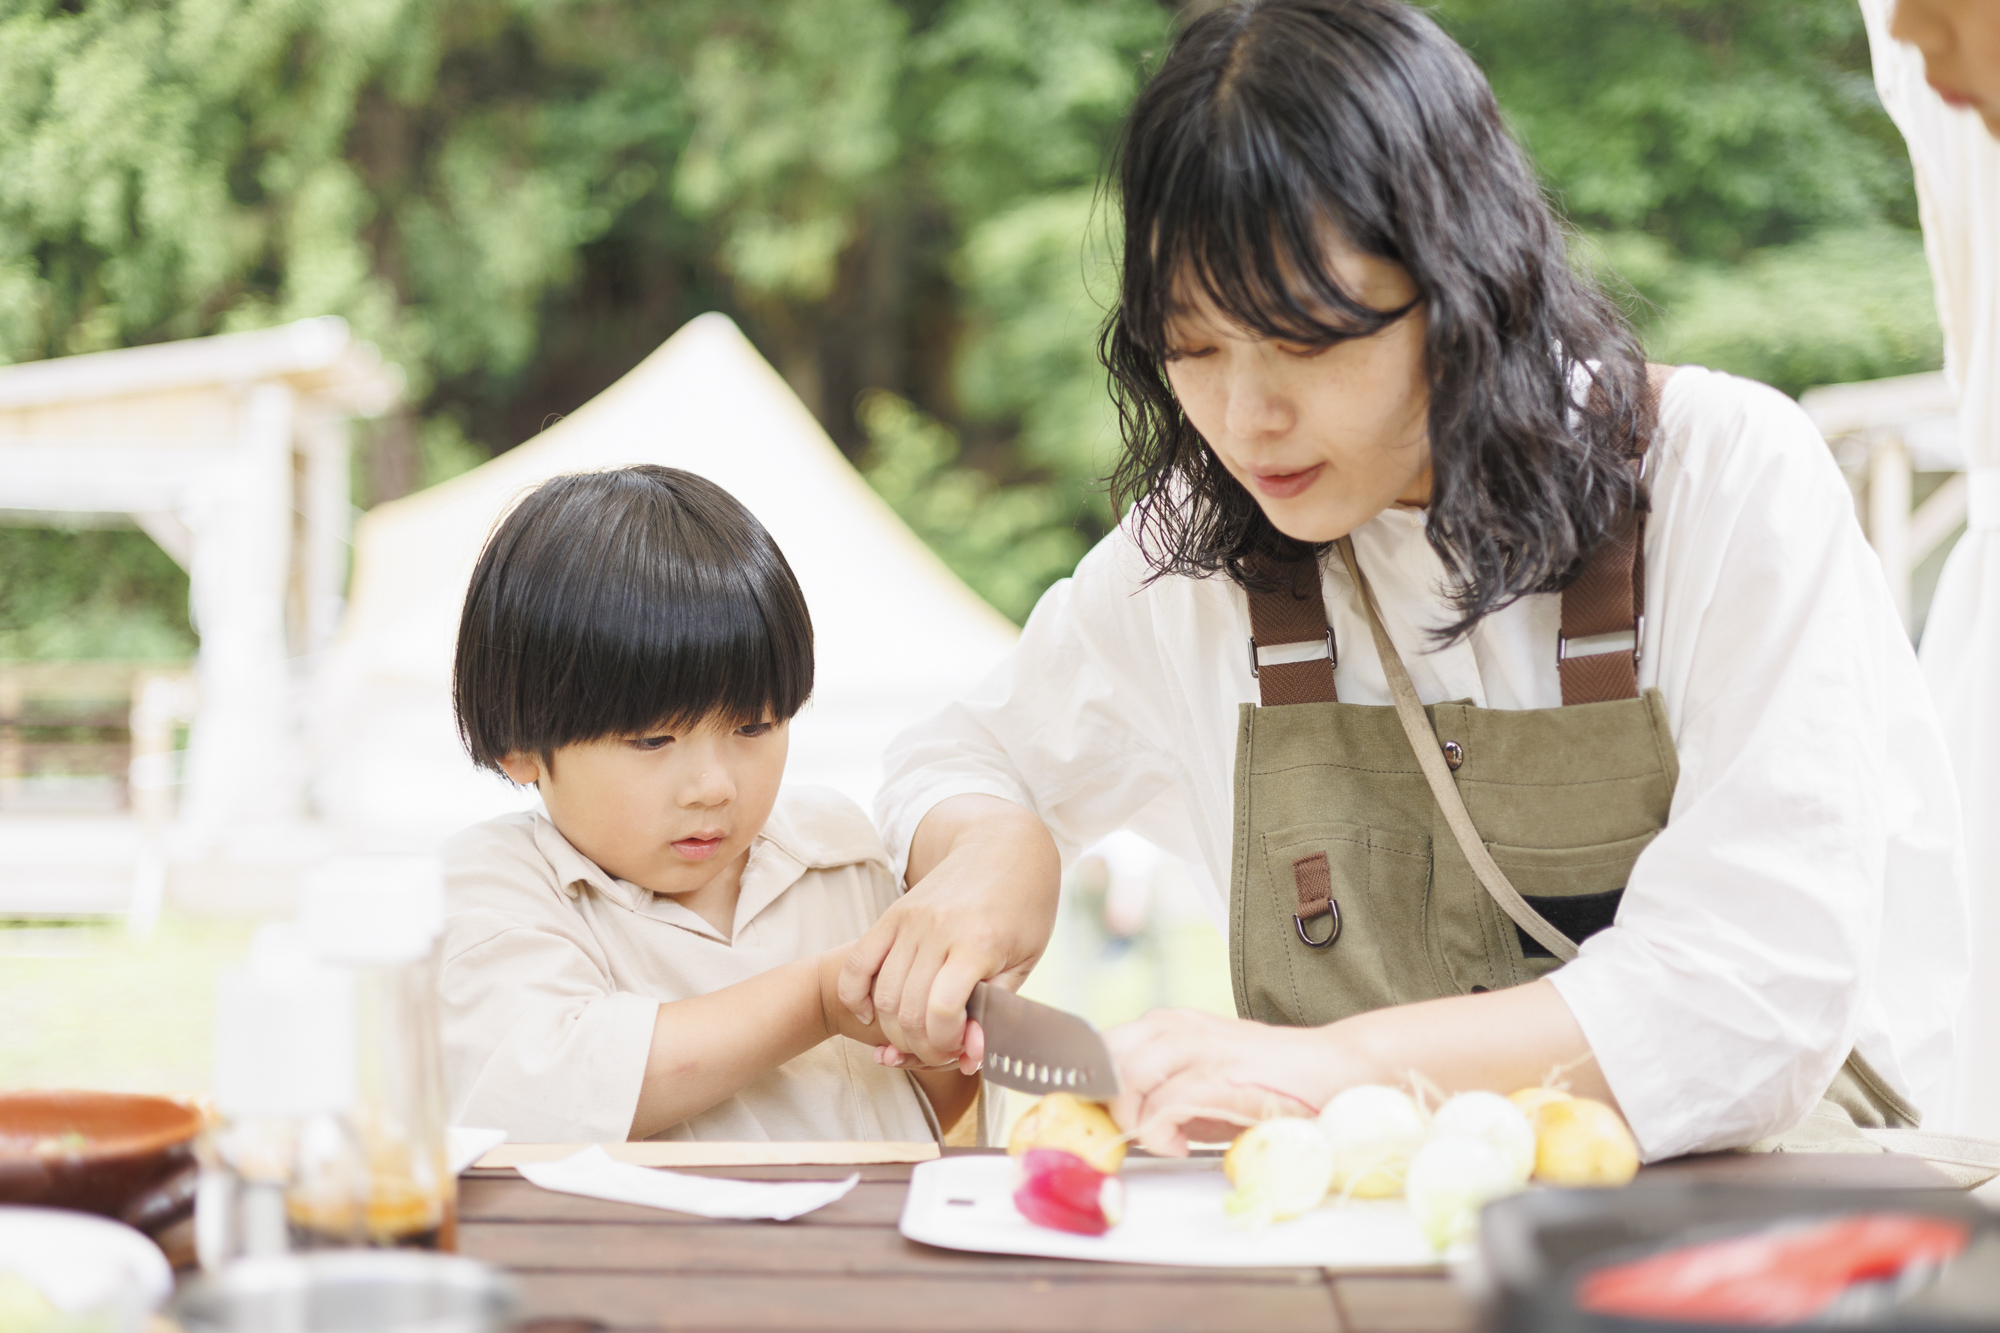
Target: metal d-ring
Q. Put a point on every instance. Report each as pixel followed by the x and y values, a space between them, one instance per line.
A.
pixel 1333 914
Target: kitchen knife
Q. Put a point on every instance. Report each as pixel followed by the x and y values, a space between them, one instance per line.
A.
pixel 1036 1049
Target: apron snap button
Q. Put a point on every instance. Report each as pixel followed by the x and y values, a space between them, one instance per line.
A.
pixel 1454 754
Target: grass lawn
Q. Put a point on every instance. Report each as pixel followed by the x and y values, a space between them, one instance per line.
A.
pixel 92 1007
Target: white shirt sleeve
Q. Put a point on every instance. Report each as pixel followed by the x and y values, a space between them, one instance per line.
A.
pixel 1747 956
pixel 1074 724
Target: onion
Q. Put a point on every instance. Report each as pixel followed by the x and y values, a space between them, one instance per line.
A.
pixel 1280 1168
pixel 1495 1120
pixel 1449 1180
pixel 1374 1131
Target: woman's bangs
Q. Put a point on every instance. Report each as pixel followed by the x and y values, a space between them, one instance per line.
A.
pixel 1251 241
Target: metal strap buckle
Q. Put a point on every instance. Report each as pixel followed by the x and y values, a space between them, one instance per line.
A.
pixel 1596 645
pixel 1333 910
pixel 1332 653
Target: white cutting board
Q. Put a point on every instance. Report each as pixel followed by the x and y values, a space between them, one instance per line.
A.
pixel 1173 1215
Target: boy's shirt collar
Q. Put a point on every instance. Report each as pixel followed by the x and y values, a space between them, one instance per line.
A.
pixel 796 838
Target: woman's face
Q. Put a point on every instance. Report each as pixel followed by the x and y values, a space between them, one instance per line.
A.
pixel 1960 40
pixel 1326 438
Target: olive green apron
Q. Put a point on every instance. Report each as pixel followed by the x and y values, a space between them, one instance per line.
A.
pixel 1350 889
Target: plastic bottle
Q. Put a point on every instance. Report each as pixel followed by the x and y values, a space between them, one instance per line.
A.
pixel 281 1148
pixel 378 918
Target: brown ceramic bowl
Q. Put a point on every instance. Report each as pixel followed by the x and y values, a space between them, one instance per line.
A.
pixel 113 1153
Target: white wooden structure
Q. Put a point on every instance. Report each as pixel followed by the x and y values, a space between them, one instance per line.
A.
pixel 1884 432
pixel 231 452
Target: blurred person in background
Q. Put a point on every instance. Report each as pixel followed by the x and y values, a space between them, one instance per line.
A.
pixel 1960 40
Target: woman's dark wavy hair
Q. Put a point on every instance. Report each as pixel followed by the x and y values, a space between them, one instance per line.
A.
pixel 613 603
pixel 1268 121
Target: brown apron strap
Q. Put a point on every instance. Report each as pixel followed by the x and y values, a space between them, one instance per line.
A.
pixel 1292 652
pixel 1604 610
pixel 1430 758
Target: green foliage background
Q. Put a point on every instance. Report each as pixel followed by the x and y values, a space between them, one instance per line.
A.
pixel 518 199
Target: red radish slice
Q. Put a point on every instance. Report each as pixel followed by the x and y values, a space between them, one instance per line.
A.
pixel 1061 1191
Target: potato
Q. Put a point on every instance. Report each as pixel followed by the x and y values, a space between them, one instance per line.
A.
pixel 1068 1123
pixel 1583 1142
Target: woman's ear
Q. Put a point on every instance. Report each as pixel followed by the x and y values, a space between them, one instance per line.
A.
pixel 525 769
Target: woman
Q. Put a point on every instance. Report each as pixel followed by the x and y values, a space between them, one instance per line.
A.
pixel 1384 446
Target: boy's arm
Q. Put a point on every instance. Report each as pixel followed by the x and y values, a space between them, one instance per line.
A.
pixel 709 1047
pixel 952 1094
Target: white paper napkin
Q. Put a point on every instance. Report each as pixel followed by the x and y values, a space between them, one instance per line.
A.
pixel 592 1172
pixel 465 1145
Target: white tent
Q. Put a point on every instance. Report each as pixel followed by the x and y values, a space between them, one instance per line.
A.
pixel 897 635
pixel 1958 190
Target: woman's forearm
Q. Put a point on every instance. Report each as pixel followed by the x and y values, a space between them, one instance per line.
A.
pixel 974 824
pixel 1504 1040
pixel 1192 1076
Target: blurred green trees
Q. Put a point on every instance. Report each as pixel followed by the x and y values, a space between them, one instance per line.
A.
pixel 518 199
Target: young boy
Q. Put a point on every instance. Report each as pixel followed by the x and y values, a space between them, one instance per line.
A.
pixel 656 957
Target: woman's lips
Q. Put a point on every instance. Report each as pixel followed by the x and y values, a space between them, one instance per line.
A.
pixel 1285 485
pixel 698 849
pixel 1951 96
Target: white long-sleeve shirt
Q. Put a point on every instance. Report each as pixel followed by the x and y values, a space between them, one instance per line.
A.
pixel 1807 894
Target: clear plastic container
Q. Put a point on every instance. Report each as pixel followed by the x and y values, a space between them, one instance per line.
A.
pixel 281 1148
pixel 378 919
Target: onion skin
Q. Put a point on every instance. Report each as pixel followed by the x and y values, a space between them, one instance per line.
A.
pixel 1061 1191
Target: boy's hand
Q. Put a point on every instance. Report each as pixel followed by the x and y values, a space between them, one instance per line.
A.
pixel 984 877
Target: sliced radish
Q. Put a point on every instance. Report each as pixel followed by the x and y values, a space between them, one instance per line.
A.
pixel 1061 1191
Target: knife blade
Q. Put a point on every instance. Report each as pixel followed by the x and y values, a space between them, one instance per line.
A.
pixel 1034 1048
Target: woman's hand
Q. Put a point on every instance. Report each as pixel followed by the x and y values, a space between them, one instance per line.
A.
pixel 1194 1076
pixel 984 876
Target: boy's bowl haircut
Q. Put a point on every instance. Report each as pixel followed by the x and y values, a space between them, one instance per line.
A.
pixel 622 603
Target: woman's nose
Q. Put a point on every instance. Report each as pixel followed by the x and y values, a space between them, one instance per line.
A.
pixel 1255 407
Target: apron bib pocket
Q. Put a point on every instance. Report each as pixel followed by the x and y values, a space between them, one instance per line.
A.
pixel 1378 881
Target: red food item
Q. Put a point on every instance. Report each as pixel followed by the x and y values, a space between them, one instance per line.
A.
pixel 1062 1191
pixel 1781 1275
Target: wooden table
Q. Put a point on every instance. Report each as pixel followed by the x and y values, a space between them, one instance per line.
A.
pixel 582 1264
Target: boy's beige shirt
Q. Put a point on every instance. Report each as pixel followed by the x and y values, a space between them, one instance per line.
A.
pixel 553 973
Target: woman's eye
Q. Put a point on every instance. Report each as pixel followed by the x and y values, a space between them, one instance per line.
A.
pixel 650 743
pixel 755 729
